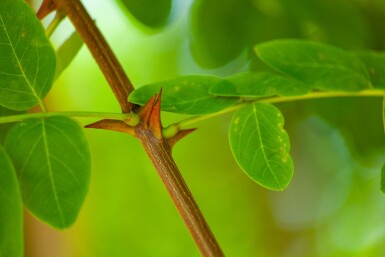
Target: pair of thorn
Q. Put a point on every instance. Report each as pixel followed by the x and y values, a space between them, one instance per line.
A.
pixel 148 119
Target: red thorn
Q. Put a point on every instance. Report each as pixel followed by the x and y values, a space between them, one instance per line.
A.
pixel 116 125
pixel 181 134
pixel 154 122
pixel 145 113
pixel 46 8
pixel 150 115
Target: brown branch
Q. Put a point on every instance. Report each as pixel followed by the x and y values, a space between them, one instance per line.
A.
pixel 158 148
pixel 160 155
pixel 98 46
pixel 148 131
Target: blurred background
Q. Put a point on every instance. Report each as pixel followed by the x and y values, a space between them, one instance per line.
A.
pixel 333 206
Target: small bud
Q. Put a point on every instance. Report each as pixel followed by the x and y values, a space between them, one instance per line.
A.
pixel 132 119
pixel 170 131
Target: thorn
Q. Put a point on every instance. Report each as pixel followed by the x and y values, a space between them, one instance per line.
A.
pixel 154 122
pixel 115 125
pixel 145 113
pixel 178 136
pixel 46 8
pixel 150 115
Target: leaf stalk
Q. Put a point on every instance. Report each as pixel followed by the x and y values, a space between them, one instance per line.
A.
pixel 22 117
pixel 278 99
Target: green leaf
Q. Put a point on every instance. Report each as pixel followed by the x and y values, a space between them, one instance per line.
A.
pixel 383 179
pixel 261 146
pixel 153 13
pixel 11 210
pixel 5 127
pixel 52 160
pixel 67 52
pixel 375 64
pixel 336 22
pixel 322 66
pixel 252 84
pixel 217 34
pixel 383 113
pixel 186 94
pixel 27 59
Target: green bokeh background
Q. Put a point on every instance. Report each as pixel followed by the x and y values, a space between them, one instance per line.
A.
pixel 333 207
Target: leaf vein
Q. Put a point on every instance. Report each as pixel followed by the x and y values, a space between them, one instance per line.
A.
pixel 50 171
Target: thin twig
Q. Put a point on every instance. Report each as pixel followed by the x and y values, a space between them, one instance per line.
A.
pixel 278 99
pixel 100 115
pixel 59 17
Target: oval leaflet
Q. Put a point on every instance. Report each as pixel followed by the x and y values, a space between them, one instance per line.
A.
pixel 261 146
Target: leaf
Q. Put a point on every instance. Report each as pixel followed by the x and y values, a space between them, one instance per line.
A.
pixel 217 33
pixel 52 160
pixel 5 127
pixel 11 210
pixel 261 146
pixel 67 52
pixel 336 22
pixel 185 94
pixel 375 64
pixel 253 84
pixel 383 179
pixel 27 59
pixel 322 66
pixel 383 112
pixel 153 13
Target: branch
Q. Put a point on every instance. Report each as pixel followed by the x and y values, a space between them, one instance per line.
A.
pixel 158 148
pixel 160 155
pixel 101 51
pixel 149 132
pixel 149 129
